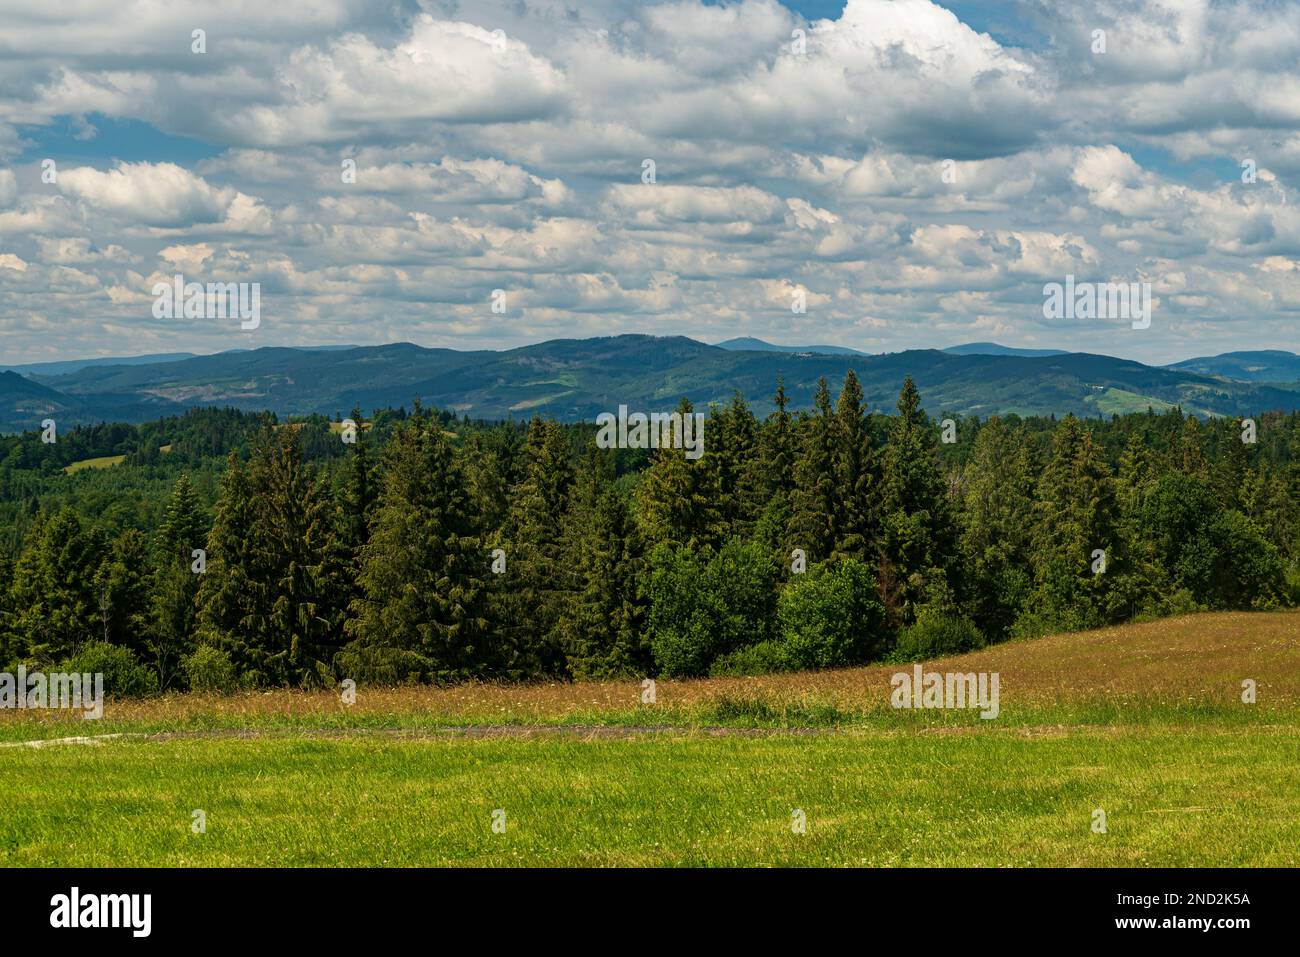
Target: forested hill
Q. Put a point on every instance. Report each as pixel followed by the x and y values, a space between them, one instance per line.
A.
pixel 225 549
pixel 575 379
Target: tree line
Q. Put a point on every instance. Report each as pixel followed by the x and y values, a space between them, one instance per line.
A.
pixel 433 548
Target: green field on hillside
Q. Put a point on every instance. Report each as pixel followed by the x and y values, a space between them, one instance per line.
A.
pixel 1172 796
pixel 1143 723
pixel 104 462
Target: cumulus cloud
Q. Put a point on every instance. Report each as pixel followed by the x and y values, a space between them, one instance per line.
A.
pixel 8 187
pixel 382 171
pixel 445 71
pixel 154 194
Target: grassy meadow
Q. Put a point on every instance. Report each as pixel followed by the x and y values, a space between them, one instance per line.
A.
pixel 1144 722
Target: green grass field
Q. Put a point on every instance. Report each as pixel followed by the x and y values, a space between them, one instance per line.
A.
pixel 1186 774
pixel 105 462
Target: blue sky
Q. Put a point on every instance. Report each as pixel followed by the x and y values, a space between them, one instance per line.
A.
pixel 913 175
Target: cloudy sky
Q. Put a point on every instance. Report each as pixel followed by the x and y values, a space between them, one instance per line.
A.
pixel 917 171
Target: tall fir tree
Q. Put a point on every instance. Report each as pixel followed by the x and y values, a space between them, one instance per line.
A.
pixel 996 546
pixel 857 477
pixel 488 464
pixel 768 480
pixel 423 569
pixel 1135 471
pixel 918 531
pixel 183 528
pixel 772 467
pixel 53 590
pixel 813 502
pixel 678 497
pixel 225 596
pixel 732 436
pixel 287 625
pixel 174 596
pixel 122 583
pixel 603 631
pixel 358 494
pixel 1077 549
pixel 538 583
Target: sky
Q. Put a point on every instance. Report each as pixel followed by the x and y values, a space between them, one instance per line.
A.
pixel 911 174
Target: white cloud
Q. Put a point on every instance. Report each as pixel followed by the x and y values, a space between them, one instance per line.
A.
pixel 154 194
pixel 8 188
pixel 444 71
pixel 514 161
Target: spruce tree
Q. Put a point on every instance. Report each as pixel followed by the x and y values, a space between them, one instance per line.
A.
pixel 225 596
pixel 538 583
pixel 814 500
pixel 1134 473
pixel 122 583
pixel 487 461
pixel 1095 513
pixel 183 528
pixel 918 530
pixel 732 436
pixel 174 596
pixel 679 496
pixel 358 496
pixel 296 625
pixel 272 593
pixel 770 471
pixel 1077 517
pixel 996 547
pixel 857 477
pixel 422 571
pixel 53 591
pixel 603 633
pixel 768 479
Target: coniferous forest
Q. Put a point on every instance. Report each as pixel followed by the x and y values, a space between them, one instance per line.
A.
pixel 228 550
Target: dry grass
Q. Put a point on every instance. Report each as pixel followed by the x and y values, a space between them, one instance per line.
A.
pixel 1193 663
pixel 1143 721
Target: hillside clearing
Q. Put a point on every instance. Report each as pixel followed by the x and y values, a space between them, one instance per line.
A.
pixel 1142 723
pixel 1191 667
pixel 104 462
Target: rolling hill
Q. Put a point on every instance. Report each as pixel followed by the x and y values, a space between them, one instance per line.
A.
pixel 1270 365
pixel 993 349
pixel 25 401
pixel 750 344
pixel 573 379
pixel 66 366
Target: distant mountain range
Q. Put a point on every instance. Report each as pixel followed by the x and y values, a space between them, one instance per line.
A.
pixel 993 349
pixel 750 344
pixel 747 343
pixel 574 379
pixel 1267 366
pixel 73 365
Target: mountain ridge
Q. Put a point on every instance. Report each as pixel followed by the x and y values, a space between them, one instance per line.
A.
pixel 574 379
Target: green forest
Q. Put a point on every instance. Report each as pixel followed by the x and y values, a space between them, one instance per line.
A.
pixel 230 550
